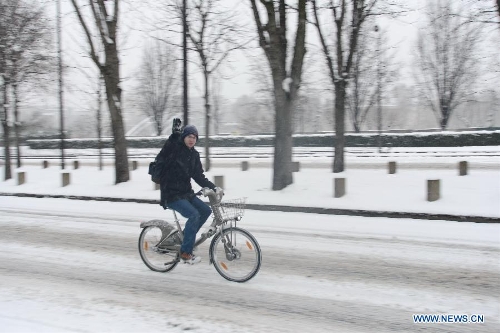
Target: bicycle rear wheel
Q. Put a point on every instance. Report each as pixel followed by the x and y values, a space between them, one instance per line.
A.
pixel 236 255
pixel 158 259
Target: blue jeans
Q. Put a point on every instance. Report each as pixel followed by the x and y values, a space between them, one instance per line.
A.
pixel 197 213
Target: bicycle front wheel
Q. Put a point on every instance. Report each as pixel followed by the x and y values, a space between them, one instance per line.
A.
pixel 157 258
pixel 236 255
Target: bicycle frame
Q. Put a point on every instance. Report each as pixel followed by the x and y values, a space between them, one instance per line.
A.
pixel 214 200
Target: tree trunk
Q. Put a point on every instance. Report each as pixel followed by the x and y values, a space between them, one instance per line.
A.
pixel 445 116
pixel 357 127
pixel 340 94
pixel 99 127
pixel 16 123
pixel 273 40
pixel 185 92
pixel 5 124
pixel 111 74
pixel 113 94
pixel 443 123
pixel 282 171
pixel 110 71
pixel 159 128
pixel 207 125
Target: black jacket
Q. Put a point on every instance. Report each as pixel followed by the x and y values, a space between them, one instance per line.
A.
pixel 181 164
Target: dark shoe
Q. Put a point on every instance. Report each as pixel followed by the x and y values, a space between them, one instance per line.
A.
pixel 190 259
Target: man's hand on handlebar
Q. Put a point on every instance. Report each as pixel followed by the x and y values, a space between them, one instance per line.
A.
pixel 217 192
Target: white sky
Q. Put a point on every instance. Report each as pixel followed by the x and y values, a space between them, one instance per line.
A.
pixel 402 32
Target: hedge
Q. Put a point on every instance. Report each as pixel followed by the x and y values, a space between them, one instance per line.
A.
pixel 427 139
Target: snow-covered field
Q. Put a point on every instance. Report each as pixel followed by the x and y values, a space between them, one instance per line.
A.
pixel 369 186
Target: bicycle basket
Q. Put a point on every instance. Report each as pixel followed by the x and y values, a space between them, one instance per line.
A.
pixel 230 209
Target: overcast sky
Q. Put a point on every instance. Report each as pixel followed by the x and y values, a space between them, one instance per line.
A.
pixel 402 34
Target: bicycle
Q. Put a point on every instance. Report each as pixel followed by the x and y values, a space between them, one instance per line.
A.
pixel 234 252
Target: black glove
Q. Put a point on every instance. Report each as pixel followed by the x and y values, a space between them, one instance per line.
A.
pixel 176 125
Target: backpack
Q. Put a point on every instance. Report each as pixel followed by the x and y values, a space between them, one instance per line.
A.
pixel 156 169
pixel 158 166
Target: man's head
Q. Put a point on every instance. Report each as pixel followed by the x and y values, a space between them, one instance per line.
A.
pixel 189 136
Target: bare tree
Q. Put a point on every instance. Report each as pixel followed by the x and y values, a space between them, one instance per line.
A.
pixel 362 93
pixel 6 130
pixel 480 11
pixel 5 116
pixel 105 15
pixel 24 36
pixel 286 74
pixel 373 65
pixel 447 59
pixel 31 60
pixel 494 108
pixel 158 82
pixel 214 35
pixel 349 16
pixel 217 101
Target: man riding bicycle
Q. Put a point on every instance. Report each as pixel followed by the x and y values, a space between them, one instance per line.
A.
pixel 182 162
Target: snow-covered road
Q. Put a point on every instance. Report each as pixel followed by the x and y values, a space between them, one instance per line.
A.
pixel 72 266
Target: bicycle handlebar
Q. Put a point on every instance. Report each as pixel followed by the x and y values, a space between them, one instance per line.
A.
pixel 213 196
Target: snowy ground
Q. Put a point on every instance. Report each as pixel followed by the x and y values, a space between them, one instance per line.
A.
pixel 73 266
pixel 369 186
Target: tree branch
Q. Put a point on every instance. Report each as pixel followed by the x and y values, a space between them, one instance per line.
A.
pixel 92 52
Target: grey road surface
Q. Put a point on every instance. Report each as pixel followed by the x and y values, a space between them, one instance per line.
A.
pixel 310 281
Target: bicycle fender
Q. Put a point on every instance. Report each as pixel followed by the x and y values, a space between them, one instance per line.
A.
pixel 156 223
